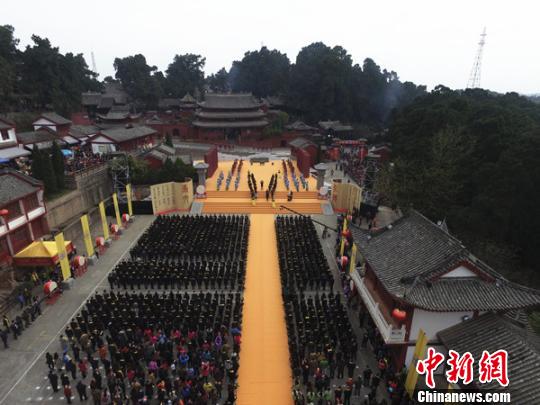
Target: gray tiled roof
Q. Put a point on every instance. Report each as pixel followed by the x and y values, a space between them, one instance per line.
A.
pixel 14 185
pixel 300 143
pixel 91 98
pixel 80 131
pixel 231 115
pixel 492 332
pixel 126 134
pixel 416 248
pixel 227 124
pixel 230 101
pixel 56 118
pixel 188 99
pixel 41 135
pixel 114 116
pixel 335 125
pixel 300 126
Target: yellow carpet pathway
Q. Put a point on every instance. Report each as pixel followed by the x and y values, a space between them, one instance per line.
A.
pixel 264 374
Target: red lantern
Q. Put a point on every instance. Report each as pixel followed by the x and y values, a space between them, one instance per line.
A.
pixel 344 261
pixel 114 228
pixel 100 241
pixel 349 217
pixel 399 315
pixel 49 287
pixel 79 261
pixel 125 217
pixel 4 212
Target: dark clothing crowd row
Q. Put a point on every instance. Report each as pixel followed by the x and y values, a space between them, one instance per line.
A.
pixel 167 274
pixel 302 262
pixel 208 237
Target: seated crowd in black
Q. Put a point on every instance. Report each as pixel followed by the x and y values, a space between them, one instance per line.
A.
pixel 320 333
pixel 301 259
pixel 165 273
pixel 205 237
pixel 179 346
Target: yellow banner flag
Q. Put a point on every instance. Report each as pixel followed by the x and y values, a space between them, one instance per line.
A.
pixel 117 210
pixel 87 236
pixel 419 354
pixel 342 249
pixel 104 220
pixel 130 207
pixel 62 255
pixel 352 264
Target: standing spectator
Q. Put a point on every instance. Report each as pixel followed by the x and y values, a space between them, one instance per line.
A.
pixel 53 379
pixel 68 393
pixel 81 390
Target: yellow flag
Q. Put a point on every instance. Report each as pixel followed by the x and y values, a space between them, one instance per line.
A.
pixel 104 220
pixel 353 258
pixel 419 354
pixel 130 207
pixel 117 210
pixel 87 236
pixel 342 249
pixel 62 255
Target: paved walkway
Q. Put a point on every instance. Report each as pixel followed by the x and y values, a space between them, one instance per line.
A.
pixel 264 375
pixel 22 366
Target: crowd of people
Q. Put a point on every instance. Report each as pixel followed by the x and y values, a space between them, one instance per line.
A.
pixel 165 273
pixel 83 160
pixel 169 329
pixel 301 258
pixel 170 347
pixel 30 307
pixel 387 375
pixel 194 237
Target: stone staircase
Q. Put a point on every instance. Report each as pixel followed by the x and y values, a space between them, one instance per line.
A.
pixel 260 207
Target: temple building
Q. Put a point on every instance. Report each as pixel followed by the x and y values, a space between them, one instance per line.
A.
pixel 230 117
pixel 23 213
pixel 416 276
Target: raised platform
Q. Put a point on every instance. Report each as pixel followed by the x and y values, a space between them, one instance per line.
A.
pixel 227 206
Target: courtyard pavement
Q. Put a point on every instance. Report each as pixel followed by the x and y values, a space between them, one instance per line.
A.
pixel 23 372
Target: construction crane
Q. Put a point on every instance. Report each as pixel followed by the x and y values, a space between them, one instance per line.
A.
pixel 474 78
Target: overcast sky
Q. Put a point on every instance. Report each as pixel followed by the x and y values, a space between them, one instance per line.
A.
pixel 427 42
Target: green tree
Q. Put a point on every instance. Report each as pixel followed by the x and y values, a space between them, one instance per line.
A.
pixel 264 73
pixel 57 159
pixel 139 80
pixel 219 82
pixel 9 56
pixel 168 140
pixel 42 169
pixel 185 75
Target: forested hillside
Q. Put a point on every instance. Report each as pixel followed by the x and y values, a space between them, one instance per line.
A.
pixel 473 158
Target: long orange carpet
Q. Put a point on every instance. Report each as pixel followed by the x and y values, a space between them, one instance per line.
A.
pixel 264 375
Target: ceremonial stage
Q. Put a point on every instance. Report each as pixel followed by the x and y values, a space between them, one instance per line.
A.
pixel 239 201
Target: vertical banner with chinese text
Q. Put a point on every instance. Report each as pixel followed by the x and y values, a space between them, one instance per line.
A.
pixel 87 236
pixel 342 250
pixel 352 264
pixel 62 255
pixel 104 220
pixel 419 354
pixel 128 193
pixel 117 209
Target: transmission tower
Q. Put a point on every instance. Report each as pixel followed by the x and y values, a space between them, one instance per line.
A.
pixel 474 78
pixel 94 67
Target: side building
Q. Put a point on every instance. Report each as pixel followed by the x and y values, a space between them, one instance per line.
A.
pixel 415 268
pixel 22 212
